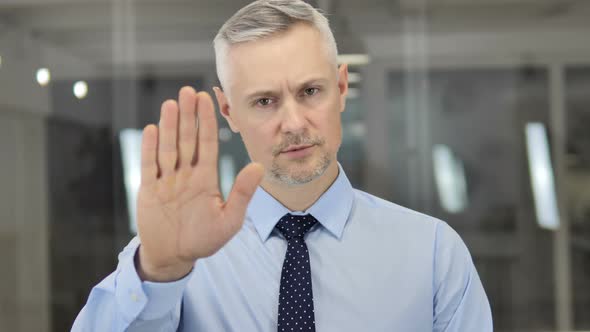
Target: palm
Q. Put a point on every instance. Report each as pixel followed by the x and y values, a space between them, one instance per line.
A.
pixel 181 213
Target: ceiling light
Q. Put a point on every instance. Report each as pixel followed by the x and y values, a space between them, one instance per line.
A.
pixel 43 76
pixel 80 89
pixel 354 59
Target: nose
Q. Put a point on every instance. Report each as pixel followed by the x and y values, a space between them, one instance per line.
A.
pixel 293 117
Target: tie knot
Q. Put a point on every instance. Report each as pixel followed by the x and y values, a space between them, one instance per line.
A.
pixel 295 226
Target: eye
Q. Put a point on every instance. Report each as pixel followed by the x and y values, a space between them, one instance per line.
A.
pixel 263 101
pixel 311 91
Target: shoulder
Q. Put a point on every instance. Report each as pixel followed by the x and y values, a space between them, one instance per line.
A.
pixel 404 221
pixel 366 203
pixel 419 232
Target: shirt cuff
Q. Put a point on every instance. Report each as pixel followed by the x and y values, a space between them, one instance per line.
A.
pixel 163 297
pixel 145 300
pixel 128 291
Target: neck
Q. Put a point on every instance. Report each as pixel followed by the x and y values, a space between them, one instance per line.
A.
pixel 301 197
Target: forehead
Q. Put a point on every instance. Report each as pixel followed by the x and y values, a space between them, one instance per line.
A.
pixel 286 57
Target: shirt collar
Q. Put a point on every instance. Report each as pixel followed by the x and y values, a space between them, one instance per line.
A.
pixel 331 209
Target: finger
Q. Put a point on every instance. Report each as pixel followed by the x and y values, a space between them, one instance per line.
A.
pixel 187 136
pixel 167 145
pixel 149 148
pixel 243 189
pixel 208 144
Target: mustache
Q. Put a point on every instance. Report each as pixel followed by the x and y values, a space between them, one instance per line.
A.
pixel 296 140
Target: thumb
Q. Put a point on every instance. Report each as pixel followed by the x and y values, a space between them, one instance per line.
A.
pixel 241 194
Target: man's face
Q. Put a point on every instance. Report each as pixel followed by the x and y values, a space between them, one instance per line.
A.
pixel 285 93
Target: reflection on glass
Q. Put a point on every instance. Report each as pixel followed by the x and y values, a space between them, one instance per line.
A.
pixel 354 77
pixel 449 175
pixel 227 171
pixel 130 140
pixel 541 173
pixel 353 93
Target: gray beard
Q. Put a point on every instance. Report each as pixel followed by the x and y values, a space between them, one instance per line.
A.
pixel 282 175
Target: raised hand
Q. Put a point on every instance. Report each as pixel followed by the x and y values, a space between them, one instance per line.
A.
pixel 181 213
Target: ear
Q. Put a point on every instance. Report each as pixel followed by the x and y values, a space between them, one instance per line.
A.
pixel 224 108
pixel 343 85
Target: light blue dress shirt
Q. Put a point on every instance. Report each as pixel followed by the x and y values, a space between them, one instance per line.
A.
pixel 375 266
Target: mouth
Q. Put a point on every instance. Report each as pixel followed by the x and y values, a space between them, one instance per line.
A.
pixel 294 148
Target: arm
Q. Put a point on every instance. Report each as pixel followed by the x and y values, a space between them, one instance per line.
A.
pixel 122 302
pixel 460 302
pixel 181 217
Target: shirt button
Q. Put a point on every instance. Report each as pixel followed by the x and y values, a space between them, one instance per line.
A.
pixel 134 297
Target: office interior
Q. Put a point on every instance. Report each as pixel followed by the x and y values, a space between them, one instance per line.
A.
pixel 474 111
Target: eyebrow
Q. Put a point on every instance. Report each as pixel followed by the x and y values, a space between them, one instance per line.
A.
pixel 261 93
pixel 268 92
pixel 318 80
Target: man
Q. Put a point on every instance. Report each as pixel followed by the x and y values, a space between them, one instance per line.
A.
pixel 294 247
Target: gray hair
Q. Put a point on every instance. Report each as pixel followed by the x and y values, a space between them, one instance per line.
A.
pixel 264 18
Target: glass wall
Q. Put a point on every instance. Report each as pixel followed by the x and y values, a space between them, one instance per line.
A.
pixel 576 179
pixel 463 158
pixel 453 106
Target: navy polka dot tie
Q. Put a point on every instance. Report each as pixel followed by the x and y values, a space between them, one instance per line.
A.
pixel 295 294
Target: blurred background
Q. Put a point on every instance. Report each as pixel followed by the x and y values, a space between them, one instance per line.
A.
pixel 474 111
